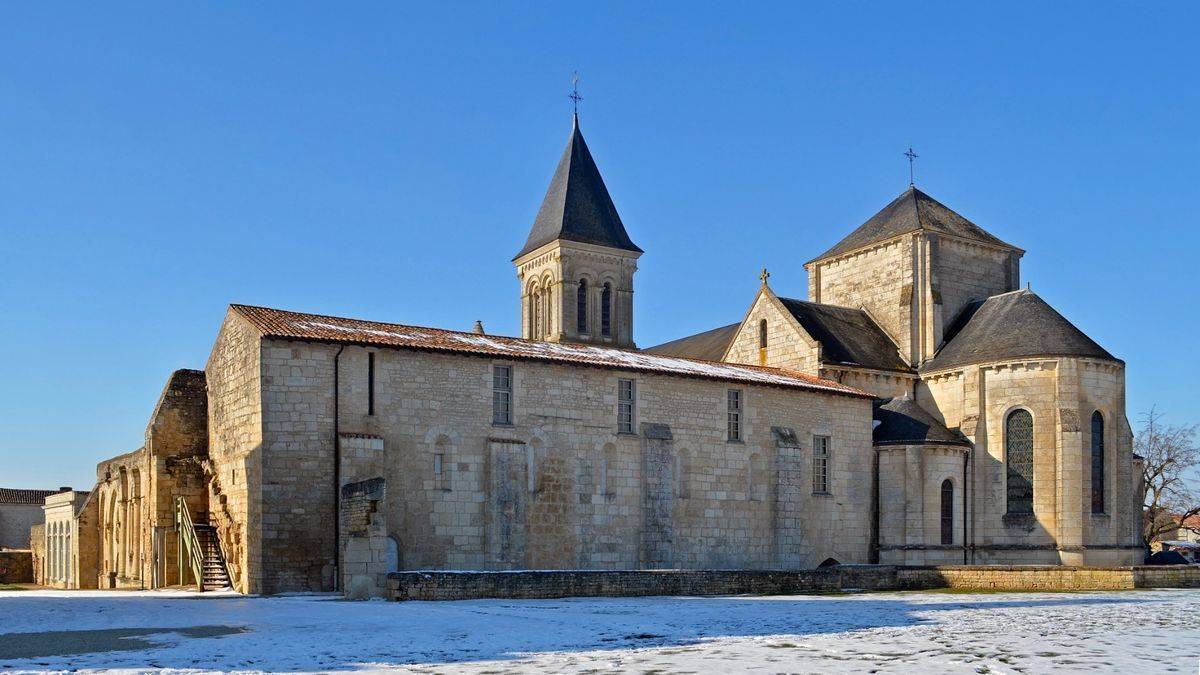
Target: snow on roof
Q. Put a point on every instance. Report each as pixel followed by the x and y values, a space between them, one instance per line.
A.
pixel 277 323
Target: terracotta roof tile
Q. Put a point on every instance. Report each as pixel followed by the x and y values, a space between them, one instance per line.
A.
pixel 276 323
pixel 20 496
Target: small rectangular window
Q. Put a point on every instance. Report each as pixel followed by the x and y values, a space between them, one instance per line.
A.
pixel 734 414
pixel 370 383
pixel 502 395
pixel 820 465
pixel 625 406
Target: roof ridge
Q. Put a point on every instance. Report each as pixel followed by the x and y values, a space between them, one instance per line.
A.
pixel 598 350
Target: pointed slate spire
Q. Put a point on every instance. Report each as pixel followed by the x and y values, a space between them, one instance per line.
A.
pixel 577 206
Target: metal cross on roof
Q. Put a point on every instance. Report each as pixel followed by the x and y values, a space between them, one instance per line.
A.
pixel 574 95
pixel 911 156
pixel 764 275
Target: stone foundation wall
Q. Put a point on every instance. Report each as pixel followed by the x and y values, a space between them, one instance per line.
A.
pixel 592 583
pixel 589 583
pixel 16 567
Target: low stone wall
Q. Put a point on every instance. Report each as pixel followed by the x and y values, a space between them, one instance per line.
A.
pixel 1047 577
pixel 586 583
pixel 445 585
pixel 16 567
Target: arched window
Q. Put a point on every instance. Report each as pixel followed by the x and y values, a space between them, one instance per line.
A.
pixel 762 334
pixel 1097 462
pixel 442 463
pixel 1018 455
pixel 535 313
pixel 947 512
pixel 581 308
pixel 606 311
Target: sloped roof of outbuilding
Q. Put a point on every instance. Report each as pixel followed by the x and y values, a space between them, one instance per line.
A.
pixel 710 345
pixel 23 496
pixel 903 422
pixel 911 211
pixel 1011 326
pixel 847 336
pixel 577 206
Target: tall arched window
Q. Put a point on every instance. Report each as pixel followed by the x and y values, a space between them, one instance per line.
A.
pixel 947 512
pixel 1018 455
pixel 535 313
pixel 1097 462
pixel 581 307
pixel 762 334
pixel 606 311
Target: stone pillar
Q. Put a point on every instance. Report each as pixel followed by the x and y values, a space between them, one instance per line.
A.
pixel 787 499
pixel 914 504
pixel 1071 505
pixel 507 493
pixel 658 494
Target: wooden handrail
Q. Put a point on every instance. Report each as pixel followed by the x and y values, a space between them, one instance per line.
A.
pixel 189 544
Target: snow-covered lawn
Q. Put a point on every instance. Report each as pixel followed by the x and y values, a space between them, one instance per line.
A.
pixel 1132 631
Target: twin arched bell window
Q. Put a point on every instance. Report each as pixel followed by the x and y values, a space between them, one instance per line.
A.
pixel 581 309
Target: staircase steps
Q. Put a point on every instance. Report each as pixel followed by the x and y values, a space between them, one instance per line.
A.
pixel 215 574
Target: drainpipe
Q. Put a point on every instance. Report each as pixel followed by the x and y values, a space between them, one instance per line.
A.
pixel 966 462
pixel 337 474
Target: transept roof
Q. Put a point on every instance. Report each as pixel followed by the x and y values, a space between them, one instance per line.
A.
pixel 847 336
pixel 282 324
pixel 577 206
pixel 911 211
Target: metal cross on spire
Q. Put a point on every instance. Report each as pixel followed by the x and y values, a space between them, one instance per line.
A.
pixel 911 156
pixel 574 95
pixel 764 275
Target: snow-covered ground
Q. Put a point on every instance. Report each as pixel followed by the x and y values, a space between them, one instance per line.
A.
pixel 1132 631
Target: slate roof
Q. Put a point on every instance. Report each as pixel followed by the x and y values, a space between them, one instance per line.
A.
pixel 21 496
pixel 709 345
pixel 911 211
pixel 847 336
pixel 277 323
pixel 1010 326
pixel 903 422
pixel 577 206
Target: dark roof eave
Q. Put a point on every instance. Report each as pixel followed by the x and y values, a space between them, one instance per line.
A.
pixel 915 441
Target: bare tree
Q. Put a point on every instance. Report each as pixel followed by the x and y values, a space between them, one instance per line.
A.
pixel 1169 453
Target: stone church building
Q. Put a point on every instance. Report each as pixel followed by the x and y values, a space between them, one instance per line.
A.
pixel 919 407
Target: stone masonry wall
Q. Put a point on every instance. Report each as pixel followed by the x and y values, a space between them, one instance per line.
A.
pixel 235 424
pixel 37 546
pixel 967 272
pixel 16 567
pixel 788 346
pixel 15 521
pixel 430 585
pixel 879 279
pixel 560 488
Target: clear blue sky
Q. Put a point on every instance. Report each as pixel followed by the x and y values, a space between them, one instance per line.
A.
pixel 161 160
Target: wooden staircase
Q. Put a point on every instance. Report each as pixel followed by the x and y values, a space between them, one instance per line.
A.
pixel 214 574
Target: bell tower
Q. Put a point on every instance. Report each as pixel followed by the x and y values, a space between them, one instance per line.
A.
pixel 576 268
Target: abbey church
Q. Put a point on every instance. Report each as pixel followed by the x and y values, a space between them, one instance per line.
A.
pixel 919 407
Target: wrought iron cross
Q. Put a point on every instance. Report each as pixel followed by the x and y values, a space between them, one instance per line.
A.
pixel 574 95
pixel 911 156
pixel 764 275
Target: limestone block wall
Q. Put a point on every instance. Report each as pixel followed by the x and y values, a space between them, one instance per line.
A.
pixel 967 271
pixel 37 547
pixel 364 532
pixel 879 279
pixel 235 432
pixel 910 492
pixel 1061 394
pixel 15 521
pixel 788 345
pixel 559 488
pixel 879 382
